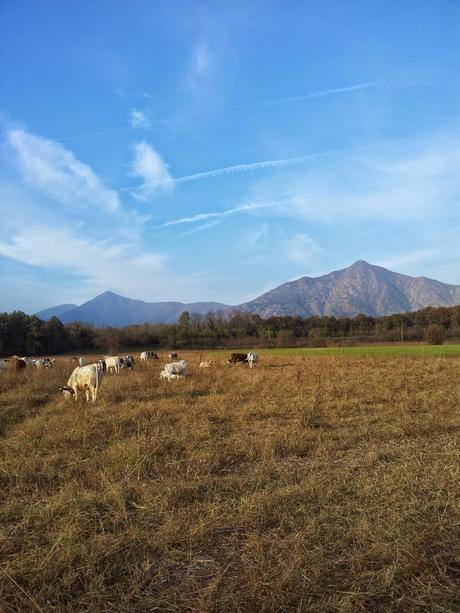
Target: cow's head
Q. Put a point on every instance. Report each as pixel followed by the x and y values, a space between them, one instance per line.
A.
pixel 67 391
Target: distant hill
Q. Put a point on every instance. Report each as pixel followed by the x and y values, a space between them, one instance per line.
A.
pixel 110 309
pixel 56 311
pixel 360 288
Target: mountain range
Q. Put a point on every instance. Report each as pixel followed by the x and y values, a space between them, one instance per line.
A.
pixel 110 309
pixel 359 288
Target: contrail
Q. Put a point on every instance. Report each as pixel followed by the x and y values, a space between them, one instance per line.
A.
pixel 320 94
pixel 214 215
pixel 218 172
pixel 256 165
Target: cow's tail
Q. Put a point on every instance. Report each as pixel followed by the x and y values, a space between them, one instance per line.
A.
pixel 97 382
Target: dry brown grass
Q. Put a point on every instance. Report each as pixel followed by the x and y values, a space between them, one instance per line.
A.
pixel 307 484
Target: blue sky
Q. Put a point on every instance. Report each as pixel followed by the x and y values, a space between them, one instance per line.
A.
pixel 212 150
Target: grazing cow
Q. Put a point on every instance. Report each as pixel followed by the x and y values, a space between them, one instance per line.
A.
pixel 205 364
pixel 84 379
pixel 113 363
pixel 101 365
pixel 148 355
pixel 44 363
pixel 252 359
pixel 2 365
pixel 127 362
pixel 174 370
pixel 172 356
pixel 237 358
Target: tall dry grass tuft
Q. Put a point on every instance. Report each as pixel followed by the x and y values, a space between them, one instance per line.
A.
pixel 307 484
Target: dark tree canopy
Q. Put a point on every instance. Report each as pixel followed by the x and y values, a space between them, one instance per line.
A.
pixel 28 335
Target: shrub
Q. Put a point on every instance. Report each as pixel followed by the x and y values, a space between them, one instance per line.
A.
pixel 435 334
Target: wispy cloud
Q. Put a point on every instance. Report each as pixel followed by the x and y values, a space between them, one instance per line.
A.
pixel 79 242
pixel 257 237
pixel 46 165
pixel 408 259
pixel 396 184
pixel 200 65
pixel 201 59
pixel 139 119
pixel 302 249
pixel 149 166
pixel 101 263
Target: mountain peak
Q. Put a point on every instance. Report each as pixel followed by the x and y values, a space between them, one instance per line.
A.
pixel 361 264
pixel 359 288
pixel 108 294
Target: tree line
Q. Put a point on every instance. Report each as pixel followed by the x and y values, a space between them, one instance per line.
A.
pixel 23 334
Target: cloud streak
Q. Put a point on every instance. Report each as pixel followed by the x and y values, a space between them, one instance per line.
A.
pixel 205 216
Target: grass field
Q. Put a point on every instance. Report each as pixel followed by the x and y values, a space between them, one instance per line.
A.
pixel 393 350
pixel 322 480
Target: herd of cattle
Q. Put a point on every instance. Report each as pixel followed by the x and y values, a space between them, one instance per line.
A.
pixel 87 377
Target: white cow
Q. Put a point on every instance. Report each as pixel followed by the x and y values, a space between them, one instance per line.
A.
pixel 174 370
pixel 84 379
pixel 148 355
pixel 252 359
pixel 83 361
pixel 44 363
pixel 2 365
pixel 205 364
pixel 114 363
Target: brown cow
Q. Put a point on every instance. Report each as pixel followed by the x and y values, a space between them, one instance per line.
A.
pixel 19 363
pixel 236 358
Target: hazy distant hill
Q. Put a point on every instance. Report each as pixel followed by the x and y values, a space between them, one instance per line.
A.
pixel 110 309
pixel 360 288
pixel 56 311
